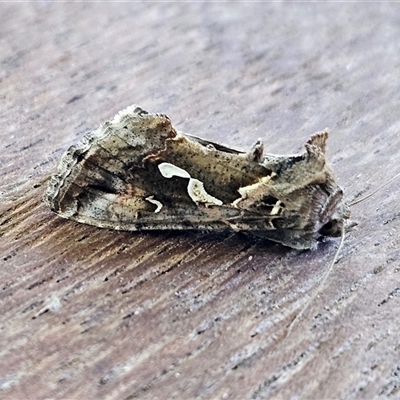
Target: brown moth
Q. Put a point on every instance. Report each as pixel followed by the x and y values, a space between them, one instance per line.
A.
pixel 137 172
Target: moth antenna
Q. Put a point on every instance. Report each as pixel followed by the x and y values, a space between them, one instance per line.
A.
pixel 320 287
pixel 376 190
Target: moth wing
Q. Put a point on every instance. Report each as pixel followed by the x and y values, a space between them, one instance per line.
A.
pixel 108 179
pixel 211 145
pixel 93 181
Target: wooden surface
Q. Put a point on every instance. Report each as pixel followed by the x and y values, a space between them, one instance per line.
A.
pixel 95 314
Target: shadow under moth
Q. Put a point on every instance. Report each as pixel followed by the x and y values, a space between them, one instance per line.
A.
pixel 137 172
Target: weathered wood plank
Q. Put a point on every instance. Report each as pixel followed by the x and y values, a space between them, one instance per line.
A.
pixel 91 313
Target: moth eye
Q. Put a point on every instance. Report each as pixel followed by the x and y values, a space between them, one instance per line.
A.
pixel 330 228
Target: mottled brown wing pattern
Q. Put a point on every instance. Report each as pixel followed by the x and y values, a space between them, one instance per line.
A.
pixel 137 172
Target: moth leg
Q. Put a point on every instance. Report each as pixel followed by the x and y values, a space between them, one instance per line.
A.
pixel 296 239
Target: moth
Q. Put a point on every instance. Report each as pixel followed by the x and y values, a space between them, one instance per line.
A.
pixel 137 172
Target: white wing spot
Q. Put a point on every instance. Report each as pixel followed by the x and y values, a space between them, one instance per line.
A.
pixel 276 208
pixel 198 194
pixel 195 187
pixel 156 202
pixel 169 170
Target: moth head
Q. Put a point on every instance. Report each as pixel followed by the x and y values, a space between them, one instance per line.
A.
pixel 331 228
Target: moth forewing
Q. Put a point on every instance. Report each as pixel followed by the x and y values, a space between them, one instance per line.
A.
pixel 137 172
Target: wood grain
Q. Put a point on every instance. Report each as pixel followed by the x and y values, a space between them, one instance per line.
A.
pixel 91 313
